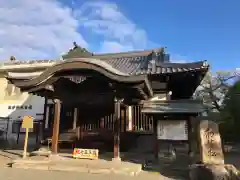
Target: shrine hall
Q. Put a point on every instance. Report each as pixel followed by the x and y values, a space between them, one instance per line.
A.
pixel 106 101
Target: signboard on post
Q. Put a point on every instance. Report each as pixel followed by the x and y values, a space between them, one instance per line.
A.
pixel 85 153
pixel 27 124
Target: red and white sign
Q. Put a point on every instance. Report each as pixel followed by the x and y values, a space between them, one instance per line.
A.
pixel 85 153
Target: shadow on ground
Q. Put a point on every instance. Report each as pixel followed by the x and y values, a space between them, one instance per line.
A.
pixel 171 168
pixel 176 169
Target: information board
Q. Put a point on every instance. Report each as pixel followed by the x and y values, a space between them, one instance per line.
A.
pixel 172 130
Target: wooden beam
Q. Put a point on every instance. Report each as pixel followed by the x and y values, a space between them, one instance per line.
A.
pixel 55 136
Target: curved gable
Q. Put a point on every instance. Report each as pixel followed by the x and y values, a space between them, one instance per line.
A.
pixel 82 64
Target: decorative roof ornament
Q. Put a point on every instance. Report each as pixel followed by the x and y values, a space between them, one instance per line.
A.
pixel 162 50
pixel 205 63
pixel 77 52
pixel 12 58
pixel 159 51
pixel 158 55
pixel 75 45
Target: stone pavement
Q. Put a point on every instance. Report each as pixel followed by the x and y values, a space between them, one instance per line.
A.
pixel 7 156
pixel 16 174
pixel 29 174
pixel 63 162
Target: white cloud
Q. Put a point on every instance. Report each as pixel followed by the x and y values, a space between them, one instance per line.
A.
pixel 112 46
pixel 106 19
pixel 47 28
pixel 39 29
pixel 176 58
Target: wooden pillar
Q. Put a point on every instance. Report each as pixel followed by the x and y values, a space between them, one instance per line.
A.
pixel 45 110
pixel 190 136
pixel 102 123
pixel 75 116
pixel 129 115
pixel 116 149
pixel 40 135
pixel 193 138
pixel 155 128
pixel 56 123
pixel 46 124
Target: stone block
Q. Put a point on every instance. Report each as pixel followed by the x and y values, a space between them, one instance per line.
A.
pixel 210 143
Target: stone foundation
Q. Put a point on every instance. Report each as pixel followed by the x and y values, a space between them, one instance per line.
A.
pixel 213 172
pixel 66 163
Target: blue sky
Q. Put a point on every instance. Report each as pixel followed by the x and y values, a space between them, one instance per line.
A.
pixel 191 30
pixel 206 29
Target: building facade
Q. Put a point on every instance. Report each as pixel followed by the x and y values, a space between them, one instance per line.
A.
pixel 15 104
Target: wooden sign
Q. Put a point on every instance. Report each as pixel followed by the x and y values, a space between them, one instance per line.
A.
pixel 85 153
pixel 27 122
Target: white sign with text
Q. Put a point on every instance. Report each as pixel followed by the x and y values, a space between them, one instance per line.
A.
pixel 172 130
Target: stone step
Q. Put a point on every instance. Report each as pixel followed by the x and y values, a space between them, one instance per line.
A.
pixel 70 166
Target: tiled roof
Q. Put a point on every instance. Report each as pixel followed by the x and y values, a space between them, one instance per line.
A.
pixel 79 52
pixel 135 62
pixel 153 61
pixel 130 54
pixel 167 68
pixel 141 65
pixel 128 65
pixel 17 62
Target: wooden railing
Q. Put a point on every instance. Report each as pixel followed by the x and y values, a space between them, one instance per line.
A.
pixel 106 122
pixel 141 122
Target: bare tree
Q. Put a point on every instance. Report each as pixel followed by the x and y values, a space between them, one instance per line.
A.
pixel 214 88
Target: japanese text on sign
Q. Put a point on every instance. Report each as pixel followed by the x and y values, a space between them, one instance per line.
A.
pixel 209 135
pixel 85 153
